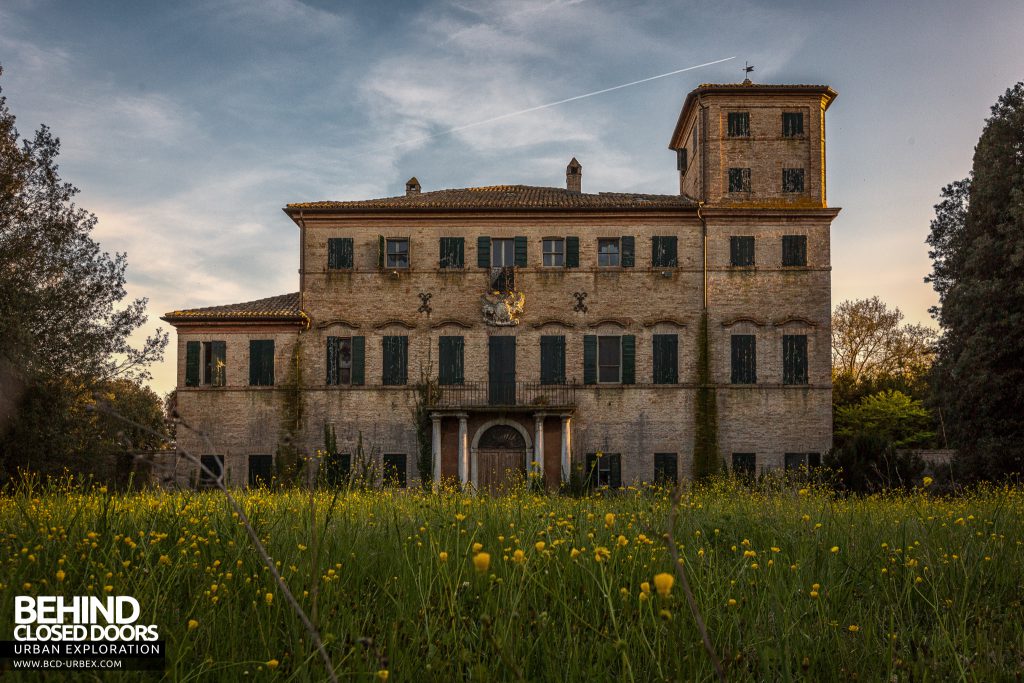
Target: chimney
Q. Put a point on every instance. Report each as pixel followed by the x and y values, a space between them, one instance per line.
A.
pixel 574 176
pixel 412 187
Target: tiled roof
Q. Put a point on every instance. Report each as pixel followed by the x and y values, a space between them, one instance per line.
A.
pixel 281 307
pixel 506 197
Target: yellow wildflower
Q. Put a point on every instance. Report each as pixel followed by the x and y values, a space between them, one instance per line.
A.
pixel 60 575
pixel 927 481
pixel 853 628
pixel 482 562
pixel 539 545
pixel 477 547
pixel 622 541
pixel 193 624
pixel 269 597
pixel 382 675
pixel 272 664
pixel 731 602
pixel 519 556
pixel 664 582
pixel 443 556
pixel 574 553
pixel 601 554
pixel 609 520
pixel 835 549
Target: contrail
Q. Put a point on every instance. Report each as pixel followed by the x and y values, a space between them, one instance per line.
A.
pixel 554 104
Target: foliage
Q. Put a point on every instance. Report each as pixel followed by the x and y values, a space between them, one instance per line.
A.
pixel 895 417
pixel 428 392
pixel 706 459
pixel 977 247
pixel 867 463
pixel 792 585
pixel 290 462
pixel 872 351
pixel 65 338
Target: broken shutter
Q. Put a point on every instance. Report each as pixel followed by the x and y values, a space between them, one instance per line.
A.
pixel 333 351
pixel 794 359
pixel 572 252
pixel 794 250
pixel 628 359
pixel 741 250
pixel 663 252
pixel 358 360
pixel 381 247
pixel 666 359
pixel 483 252
pixel 339 252
pixel 218 363
pixel 450 361
pixel 396 360
pixel 520 250
pixel 614 470
pixel 590 359
pixel 192 364
pixel 552 359
pixel 261 362
pixel 452 252
pixel 744 359
pixel 628 246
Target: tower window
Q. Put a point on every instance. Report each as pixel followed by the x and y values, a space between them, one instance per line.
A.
pixel 792 124
pixel 739 180
pixel 739 124
pixel 681 159
pixel 792 180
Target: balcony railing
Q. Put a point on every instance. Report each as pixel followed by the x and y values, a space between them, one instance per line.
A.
pixel 503 279
pixel 506 394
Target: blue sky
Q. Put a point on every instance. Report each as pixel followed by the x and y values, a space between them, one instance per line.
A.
pixel 188 126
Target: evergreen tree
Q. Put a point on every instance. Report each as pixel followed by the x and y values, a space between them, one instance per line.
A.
pixel 977 245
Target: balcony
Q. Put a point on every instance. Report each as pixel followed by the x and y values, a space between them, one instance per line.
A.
pixel 502 279
pixel 523 395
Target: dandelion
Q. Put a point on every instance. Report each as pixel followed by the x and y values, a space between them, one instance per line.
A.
pixel 60 575
pixel 272 664
pixel 477 547
pixel 519 557
pixel 269 597
pixel 835 549
pixel 443 556
pixel 663 582
pixel 601 554
pixel 814 595
pixel 459 516
pixel 853 628
pixel 731 602
pixel 382 675
pixel 609 520
pixel 482 562
pixel 622 541
pixel 574 553
pixel 164 559
pixel 193 624
pixel 539 545
pixel 927 481
pixel 645 588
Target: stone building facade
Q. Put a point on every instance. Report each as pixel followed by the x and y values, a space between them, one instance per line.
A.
pixel 556 331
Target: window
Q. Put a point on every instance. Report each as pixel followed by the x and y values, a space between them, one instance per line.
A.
pixel 604 469
pixel 453 252
pixel 744 359
pixel 741 251
pixel 694 145
pixel 503 253
pixel 794 359
pixel 339 360
pixel 336 469
pixel 663 252
pixel 609 360
pixel 396 360
pixel 666 468
pixel 397 256
pixel 794 250
pixel 681 159
pixel 608 252
pixel 666 359
pixel 205 363
pixel 739 180
pixel 795 461
pixel 572 252
pixel 261 362
pixel 792 180
pixel 450 360
pixel 552 359
pixel 554 252
pixel 211 471
pixel 339 253
pixel 261 470
pixel 792 124
pixel 744 464
pixel 739 124
pixel 394 470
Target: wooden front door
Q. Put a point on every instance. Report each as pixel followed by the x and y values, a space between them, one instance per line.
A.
pixel 500 459
pixel 501 374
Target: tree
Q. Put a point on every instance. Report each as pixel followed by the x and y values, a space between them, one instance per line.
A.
pixel 872 351
pixel 900 420
pixel 868 463
pixel 977 248
pixel 64 331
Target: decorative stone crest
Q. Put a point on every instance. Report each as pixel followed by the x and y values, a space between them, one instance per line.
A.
pixel 503 309
pixel 581 302
pixel 425 300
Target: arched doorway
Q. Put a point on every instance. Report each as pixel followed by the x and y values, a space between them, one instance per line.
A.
pixel 500 459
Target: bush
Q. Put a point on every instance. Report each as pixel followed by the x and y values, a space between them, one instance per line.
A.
pixel 868 462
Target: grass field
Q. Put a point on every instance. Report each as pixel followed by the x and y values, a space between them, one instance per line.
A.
pixel 793 584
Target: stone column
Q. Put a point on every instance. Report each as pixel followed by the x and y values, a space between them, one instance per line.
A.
pixel 538 444
pixel 566 448
pixel 435 446
pixel 463 449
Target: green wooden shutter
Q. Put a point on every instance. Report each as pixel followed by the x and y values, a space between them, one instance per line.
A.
pixel 614 470
pixel 483 252
pixel 666 359
pixel 339 252
pixel 572 252
pixel 380 251
pixel 794 359
pixel 396 360
pixel 332 253
pixel 520 251
pixel 628 251
pixel 744 359
pixel 590 359
pixel 628 359
pixel 219 357
pixel 333 348
pixel 552 359
pixel 261 362
pixel 358 360
pixel 450 360
pixel 192 364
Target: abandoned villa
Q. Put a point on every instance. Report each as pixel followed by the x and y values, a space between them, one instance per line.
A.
pixel 543 329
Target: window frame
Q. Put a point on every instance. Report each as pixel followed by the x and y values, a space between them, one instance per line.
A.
pixel 388 241
pixel 737 248
pixel 740 374
pixel 336 469
pixel 600 473
pixel 744 184
pixel 660 251
pixel 669 374
pixel 273 363
pixel 403 368
pixel 510 242
pixel 737 124
pixel 545 253
pixel 788 249
pixel 351 253
pixel 609 241
pixel 206 358
pixel 790 176
pixel 338 378
pixel 790 369
pixel 796 461
pixel 788 132
pixel 449 248
pixel 601 366
pixel 251 483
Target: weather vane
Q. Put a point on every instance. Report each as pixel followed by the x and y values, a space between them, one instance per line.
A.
pixel 747 68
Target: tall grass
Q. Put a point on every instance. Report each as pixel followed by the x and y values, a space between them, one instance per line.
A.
pixel 792 584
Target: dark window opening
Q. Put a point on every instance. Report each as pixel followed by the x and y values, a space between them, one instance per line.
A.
pixel 794 250
pixel 744 464
pixel 261 470
pixel 739 124
pixel 792 180
pixel 741 251
pixel 453 252
pixel 744 359
pixel 396 360
pixel 214 363
pixel 339 253
pixel 663 252
pixel 794 359
pixel 261 362
pixel 795 461
pixel 450 360
pixel 666 468
pixel 666 359
pixel 609 360
pixel 604 469
pixel 552 359
pixel 792 124
pixel 336 469
pixel 394 470
pixel 211 472
pixel 739 180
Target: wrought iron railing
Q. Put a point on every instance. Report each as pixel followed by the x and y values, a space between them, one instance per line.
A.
pixel 502 279
pixel 498 394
